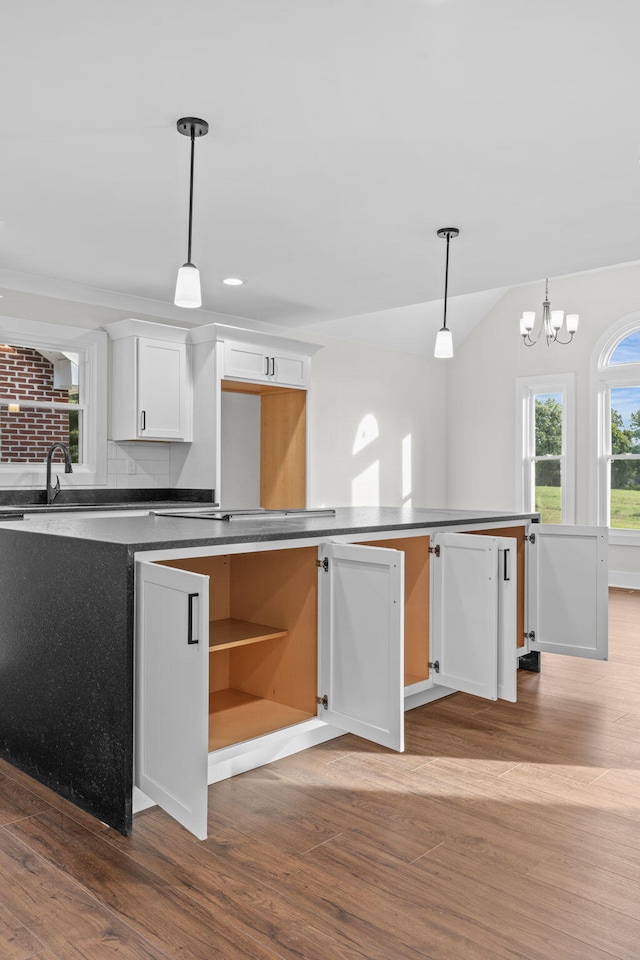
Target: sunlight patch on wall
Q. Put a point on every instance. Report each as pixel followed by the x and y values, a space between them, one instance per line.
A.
pixel 366 433
pixel 406 468
pixel 365 488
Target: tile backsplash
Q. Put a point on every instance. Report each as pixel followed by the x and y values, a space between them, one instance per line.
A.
pixel 131 464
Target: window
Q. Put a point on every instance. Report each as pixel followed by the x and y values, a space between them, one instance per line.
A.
pixel 545 465
pixel 618 427
pixel 52 386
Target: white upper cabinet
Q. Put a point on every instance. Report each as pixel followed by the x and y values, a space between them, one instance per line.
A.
pixel 150 382
pixel 261 364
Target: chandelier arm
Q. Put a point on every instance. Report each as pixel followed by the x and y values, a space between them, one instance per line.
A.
pixel 563 342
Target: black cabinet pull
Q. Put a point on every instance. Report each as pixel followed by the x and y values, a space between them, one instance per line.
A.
pixel 143 420
pixel 273 366
pixel 506 569
pixel 266 373
pixel 190 639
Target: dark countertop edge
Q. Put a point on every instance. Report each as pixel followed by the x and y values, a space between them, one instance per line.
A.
pixel 471 518
pixel 319 534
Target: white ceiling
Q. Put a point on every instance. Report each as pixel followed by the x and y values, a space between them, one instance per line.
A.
pixel 344 133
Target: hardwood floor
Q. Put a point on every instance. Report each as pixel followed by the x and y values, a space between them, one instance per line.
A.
pixel 504 831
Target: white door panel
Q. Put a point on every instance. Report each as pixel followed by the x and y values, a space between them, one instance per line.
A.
pixel 171 729
pixel 507 619
pixel 567 603
pixel 465 613
pixel 361 644
pixel 162 389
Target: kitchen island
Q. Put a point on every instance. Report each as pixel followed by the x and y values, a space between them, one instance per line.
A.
pixel 70 584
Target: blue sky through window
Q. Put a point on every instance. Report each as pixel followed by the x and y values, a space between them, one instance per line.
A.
pixel 625 400
pixel 628 350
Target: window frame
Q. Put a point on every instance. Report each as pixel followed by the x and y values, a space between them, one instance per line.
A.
pixel 604 378
pixel 91 347
pixel 527 389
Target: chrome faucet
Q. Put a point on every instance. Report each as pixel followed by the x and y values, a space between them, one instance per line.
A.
pixel 52 492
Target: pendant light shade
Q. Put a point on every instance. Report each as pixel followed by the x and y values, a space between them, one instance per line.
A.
pixel 444 343
pixel 444 340
pixel 188 287
pixel 188 292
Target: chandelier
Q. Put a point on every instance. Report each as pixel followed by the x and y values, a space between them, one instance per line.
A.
pixel 552 325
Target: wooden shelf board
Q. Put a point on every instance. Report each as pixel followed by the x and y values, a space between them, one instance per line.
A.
pixel 227 633
pixel 235 716
pixel 410 678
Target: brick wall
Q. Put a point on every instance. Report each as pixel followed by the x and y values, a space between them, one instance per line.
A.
pixel 26 436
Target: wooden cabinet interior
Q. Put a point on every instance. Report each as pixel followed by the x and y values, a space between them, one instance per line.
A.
pixel 283 442
pixel 518 534
pixel 263 610
pixel 416 604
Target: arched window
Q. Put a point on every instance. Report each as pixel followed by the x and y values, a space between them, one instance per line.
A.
pixel 618 427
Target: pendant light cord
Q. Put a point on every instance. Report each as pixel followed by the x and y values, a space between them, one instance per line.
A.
pixel 446 283
pixel 193 141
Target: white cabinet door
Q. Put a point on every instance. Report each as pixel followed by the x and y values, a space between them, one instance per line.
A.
pixel 567 590
pixel 245 362
pixel 361 655
pixel 171 717
pixel 289 369
pixel 465 613
pixel 163 390
pixel 507 619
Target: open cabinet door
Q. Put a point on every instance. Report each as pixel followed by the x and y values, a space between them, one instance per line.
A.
pixel 567 590
pixel 465 601
pixel 361 668
pixel 171 719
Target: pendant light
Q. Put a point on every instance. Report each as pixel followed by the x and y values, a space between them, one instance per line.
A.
pixel 444 340
pixel 188 283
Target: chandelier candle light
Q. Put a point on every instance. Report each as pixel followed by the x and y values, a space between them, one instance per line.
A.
pixel 551 325
pixel 188 284
pixel 444 340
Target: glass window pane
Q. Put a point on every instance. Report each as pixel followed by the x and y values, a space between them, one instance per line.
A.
pixel 625 494
pixel 625 420
pixel 548 414
pixel 628 350
pixel 548 477
pixel 27 433
pixel 27 373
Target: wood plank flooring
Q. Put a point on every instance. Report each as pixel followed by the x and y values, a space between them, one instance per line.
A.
pixel 505 831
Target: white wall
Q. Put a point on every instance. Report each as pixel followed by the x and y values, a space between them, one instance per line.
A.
pixel 481 390
pixel 240 449
pixel 368 406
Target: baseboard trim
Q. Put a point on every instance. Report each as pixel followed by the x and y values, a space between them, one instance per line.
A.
pixel 621 578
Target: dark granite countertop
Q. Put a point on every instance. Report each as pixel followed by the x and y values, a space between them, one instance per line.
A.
pixel 158 532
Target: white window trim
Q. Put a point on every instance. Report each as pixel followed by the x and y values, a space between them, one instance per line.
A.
pixel 91 346
pixel 526 389
pixel 602 378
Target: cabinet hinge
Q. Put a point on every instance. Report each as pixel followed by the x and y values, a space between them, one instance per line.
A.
pixel 435 666
pixel 435 550
pixel 531 538
pixel 324 701
pixel 324 564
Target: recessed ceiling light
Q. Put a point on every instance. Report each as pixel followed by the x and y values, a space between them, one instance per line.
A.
pixel 233 281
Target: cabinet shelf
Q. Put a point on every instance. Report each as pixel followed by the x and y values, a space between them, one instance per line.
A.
pixel 228 633
pixel 235 716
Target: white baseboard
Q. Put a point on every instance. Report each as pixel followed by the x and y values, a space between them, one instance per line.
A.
pixel 621 578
